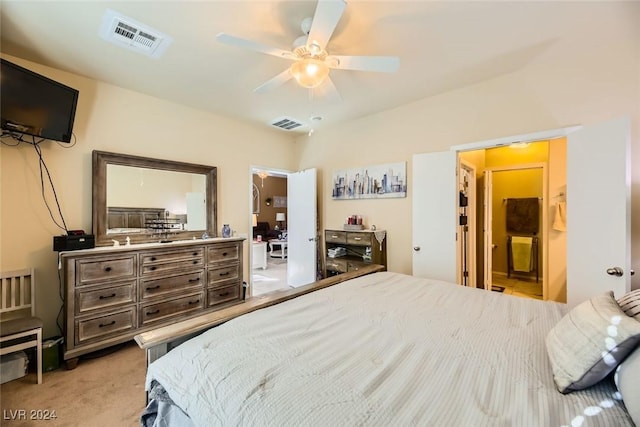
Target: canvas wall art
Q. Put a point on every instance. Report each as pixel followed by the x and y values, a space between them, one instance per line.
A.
pixel 371 182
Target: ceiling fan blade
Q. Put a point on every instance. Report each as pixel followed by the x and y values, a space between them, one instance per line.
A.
pixel 382 64
pixel 275 82
pixel 255 46
pixel 327 90
pixel 328 13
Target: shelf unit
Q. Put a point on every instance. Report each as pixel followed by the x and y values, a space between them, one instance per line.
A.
pixel 363 247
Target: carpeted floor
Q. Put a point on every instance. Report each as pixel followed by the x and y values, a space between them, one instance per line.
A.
pixel 105 390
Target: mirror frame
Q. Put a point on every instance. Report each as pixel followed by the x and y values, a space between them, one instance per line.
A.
pixel 100 160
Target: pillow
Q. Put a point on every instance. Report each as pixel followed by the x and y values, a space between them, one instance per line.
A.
pixel 627 379
pixel 589 342
pixel 630 304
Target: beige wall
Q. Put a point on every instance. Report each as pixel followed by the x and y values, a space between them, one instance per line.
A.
pixel 597 83
pixel 556 239
pixel 110 118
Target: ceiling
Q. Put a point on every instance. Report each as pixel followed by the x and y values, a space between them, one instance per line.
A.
pixel 442 45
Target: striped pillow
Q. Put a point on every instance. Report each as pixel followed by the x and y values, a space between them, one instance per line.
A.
pixel 589 342
pixel 630 304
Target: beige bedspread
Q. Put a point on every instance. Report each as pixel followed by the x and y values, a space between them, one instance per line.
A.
pixel 381 350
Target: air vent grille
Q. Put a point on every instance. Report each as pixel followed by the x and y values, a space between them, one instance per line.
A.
pixel 286 123
pixel 128 33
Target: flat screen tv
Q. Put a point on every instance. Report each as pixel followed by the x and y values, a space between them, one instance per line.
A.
pixel 33 104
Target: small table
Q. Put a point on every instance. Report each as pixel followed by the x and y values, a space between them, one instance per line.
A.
pixel 280 253
pixel 259 255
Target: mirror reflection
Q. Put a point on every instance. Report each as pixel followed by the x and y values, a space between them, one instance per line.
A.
pixel 142 200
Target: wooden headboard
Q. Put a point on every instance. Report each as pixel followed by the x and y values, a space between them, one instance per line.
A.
pixel 118 217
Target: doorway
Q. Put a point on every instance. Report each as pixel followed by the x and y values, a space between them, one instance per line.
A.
pixel 514 240
pixel 269 231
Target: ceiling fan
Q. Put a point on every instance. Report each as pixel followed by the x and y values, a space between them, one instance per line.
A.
pixel 312 62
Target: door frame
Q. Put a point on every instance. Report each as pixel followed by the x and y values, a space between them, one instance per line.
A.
pixel 488 231
pixel 471 213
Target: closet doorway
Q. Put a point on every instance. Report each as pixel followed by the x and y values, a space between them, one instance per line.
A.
pixel 528 181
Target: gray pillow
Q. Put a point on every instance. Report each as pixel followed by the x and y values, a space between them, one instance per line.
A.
pixel 627 379
pixel 589 342
pixel 630 304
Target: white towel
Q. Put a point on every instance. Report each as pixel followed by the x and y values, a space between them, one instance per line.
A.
pixel 521 253
pixel 560 218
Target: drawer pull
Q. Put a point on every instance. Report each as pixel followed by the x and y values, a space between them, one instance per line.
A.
pixel 152 268
pixel 104 325
pixel 224 254
pixel 357 238
pixel 151 313
pixel 107 296
pixel 153 258
pixel 150 288
pixel 195 261
pixel 226 273
pixel 224 294
pixel 195 254
pixel 333 236
pixel 197 279
pixel 194 302
pixel 107 269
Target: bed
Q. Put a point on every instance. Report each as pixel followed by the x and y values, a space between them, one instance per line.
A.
pixel 382 349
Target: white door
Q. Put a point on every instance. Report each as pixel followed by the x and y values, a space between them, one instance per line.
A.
pixel 435 215
pixel 301 228
pixel 598 211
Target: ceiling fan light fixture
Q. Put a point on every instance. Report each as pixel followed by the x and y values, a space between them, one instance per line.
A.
pixel 309 72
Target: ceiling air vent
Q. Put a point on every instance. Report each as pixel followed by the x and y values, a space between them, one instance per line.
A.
pixel 286 123
pixel 129 33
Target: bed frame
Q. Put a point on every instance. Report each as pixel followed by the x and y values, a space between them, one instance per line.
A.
pixel 159 341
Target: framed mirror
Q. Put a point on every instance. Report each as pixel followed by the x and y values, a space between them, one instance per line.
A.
pixel 151 200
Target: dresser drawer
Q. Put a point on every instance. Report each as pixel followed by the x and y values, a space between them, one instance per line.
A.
pixel 110 324
pixel 361 239
pixel 217 276
pixel 158 257
pixel 335 264
pixel 164 267
pixel 223 294
pixel 168 284
pixel 97 297
pixel 223 253
pixel 333 236
pixel 105 269
pixel 161 311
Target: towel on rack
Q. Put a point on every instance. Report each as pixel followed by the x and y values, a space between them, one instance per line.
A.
pixel 521 253
pixel 523 215
pixel 560 218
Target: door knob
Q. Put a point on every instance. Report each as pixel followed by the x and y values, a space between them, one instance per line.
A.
pixel 416 248
pixel 615 271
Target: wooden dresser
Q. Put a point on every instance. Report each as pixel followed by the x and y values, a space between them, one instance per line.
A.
pixel 356 244
pixel 114 293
